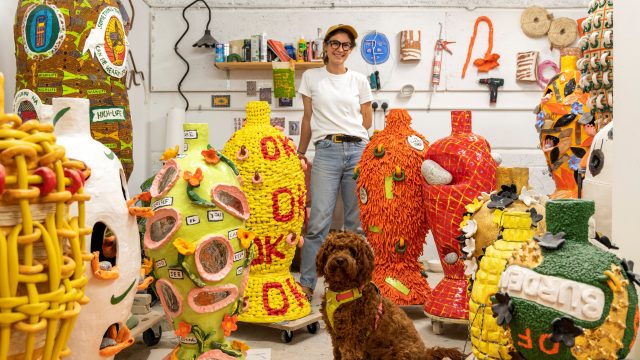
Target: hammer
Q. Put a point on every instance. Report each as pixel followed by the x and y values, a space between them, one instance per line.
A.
pixel 494 84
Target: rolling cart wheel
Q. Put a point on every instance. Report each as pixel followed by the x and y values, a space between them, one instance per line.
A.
pixel 312 328
pixel 437 327
pixel 150 338
pixel 286 336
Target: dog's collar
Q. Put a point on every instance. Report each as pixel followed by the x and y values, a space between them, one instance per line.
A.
pixel 335 299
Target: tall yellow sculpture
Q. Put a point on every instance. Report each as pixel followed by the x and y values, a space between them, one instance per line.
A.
pixel 275 188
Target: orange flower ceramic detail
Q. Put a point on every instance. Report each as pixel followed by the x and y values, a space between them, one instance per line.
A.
pixel 240 346
pixel 170 153
pixel 145 196
pixel 193 178
pixel 184 247
pixel 229 324
pixel 246 238
pixel 211 156
pixel 183 329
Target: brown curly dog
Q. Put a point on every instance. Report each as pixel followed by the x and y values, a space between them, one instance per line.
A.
pixel 362 323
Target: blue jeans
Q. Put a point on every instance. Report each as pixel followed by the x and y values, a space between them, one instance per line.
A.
pixel 332 169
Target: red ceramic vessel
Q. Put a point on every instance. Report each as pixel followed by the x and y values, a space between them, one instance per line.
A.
pixel 467 157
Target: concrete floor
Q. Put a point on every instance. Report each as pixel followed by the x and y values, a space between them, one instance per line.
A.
pixel 266 343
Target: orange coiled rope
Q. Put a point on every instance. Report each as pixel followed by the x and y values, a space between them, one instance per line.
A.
pixel 489 61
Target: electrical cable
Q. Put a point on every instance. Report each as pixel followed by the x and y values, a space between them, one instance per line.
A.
pixel 175 47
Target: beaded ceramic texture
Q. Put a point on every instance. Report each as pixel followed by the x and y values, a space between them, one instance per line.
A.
pixel 596 63
pixel 494 227
pixel 563 297
pixel 391 192
pixel 41 249
pixel 466 157
pixel 275 188
pixel 199 259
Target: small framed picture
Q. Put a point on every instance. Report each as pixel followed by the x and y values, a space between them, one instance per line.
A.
pixel 265 95
pixel 294 127
pixel 251 88
pixel 278 122
pixel 220 101
pixel 285 102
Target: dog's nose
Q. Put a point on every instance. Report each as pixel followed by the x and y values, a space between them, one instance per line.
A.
pixel 340 261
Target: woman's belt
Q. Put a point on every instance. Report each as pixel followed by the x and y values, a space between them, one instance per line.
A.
pixel 340 138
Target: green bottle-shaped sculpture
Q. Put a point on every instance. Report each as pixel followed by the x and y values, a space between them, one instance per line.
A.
pixel 199 260
pixel 567 298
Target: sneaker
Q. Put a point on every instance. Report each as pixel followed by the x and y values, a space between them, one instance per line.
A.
pixel 308 292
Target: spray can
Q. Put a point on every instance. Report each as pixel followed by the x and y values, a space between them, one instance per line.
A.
pixel 302 49
pixel 220 52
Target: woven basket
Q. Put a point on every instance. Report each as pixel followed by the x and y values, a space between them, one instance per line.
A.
pixel 41 261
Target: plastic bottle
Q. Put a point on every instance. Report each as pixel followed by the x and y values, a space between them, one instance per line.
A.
pixel 317 46
pixel 302 48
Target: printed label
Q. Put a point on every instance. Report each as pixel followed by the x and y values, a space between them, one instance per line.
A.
pixel 162 202
pixel 238 256
pixel 188 340
pixel 191 134
pixel 106 114
pixel 232 234
pixel 176 274
pixel 415 142
pixel 161 263
pixel 240 270
pixel 108 42
pixel 215 215
pixel 192 220
pixel 364 197
pixel 26 104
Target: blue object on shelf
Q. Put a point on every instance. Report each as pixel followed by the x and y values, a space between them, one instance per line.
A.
pixel 375 48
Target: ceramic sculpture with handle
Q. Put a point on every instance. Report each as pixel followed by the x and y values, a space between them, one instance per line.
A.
pixel 457 170
pixel 391 192
pixel 115 244
pixel 562 297
pixel 274 184
pixel 199 259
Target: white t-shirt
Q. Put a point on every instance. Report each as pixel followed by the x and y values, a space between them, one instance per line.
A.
pixel 336 101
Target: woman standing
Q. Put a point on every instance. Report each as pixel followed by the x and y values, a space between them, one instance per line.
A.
pixel 337 114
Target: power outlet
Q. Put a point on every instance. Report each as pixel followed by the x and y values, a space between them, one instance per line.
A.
pixel 380 102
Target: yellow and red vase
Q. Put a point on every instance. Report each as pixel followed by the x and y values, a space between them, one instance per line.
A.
pixel 273 180
pixel 391 193
pixel 458 169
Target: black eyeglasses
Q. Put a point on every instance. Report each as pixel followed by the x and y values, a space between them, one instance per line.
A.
pixel 335 44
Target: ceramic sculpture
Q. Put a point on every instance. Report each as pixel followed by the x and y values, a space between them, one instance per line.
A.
pixel 42 266
pixel 68 48
pixel 599 178
pixel 563 298
pixel 458 168
pixel 276 191
pixel 565 126
pixel 199 258
pixel 495 226
pixel 391 191
pixel 597 62
pixel 113 276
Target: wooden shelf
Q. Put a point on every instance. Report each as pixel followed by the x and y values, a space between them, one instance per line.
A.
pixel 263 65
